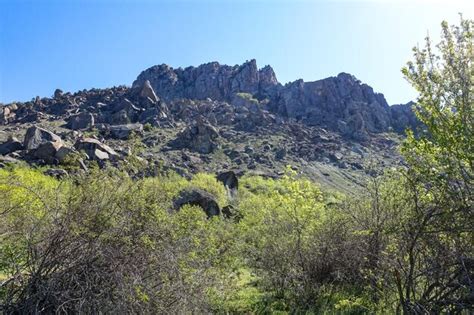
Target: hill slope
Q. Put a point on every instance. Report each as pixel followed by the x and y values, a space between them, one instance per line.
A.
pixel 216 117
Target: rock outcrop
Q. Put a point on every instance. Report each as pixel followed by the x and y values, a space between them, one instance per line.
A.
pixel 210 80
pixel 242 95
pixel 200 137
pixel 403 117
pixel 340 103
pixel 197 197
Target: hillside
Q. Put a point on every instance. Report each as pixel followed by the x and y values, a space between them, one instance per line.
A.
pixel 218 190
pixel 214 118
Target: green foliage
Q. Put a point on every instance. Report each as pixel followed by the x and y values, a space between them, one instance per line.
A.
pixel 147 127
pixel 249 97
pixel 440 173
pixel 104 219
pixel 444 80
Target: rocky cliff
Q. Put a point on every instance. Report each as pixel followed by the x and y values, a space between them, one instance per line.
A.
pixel 210 80
pixel 210 118
pixel 340 103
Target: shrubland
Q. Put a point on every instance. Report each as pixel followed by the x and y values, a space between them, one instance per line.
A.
pixel 106 242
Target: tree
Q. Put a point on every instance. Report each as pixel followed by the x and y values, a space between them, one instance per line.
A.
pixel 445 151
pixel 437 260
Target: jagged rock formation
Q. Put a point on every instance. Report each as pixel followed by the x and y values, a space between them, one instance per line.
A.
pixel 212 117
pixel 402 117
pixel 339 103
pixel 211 80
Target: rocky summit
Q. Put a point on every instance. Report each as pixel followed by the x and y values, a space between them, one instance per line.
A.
pixel 213 118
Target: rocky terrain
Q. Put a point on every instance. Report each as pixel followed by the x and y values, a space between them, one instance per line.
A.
pixel 212 118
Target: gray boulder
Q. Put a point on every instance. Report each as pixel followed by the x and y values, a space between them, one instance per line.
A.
pixel 95 149
pixel 47 151
pixel 200 137
pixel 123 112
pixel 229 179
pixel 197 197
pixel 11 145
pixel 82 120
pixel 125 131
pixel 35 136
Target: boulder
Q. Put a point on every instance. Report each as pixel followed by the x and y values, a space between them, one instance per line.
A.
pixel 11 145
pixel 229 179
pixel 4 113
pixel 82 120
pixel 63 152
pixel 123 112
pixel 148 92
pixel 126 105
pixel 197 197
pixel 120 118
pixel 95 149
pixel 56 172
pixel 153 116
pixel 35 136
pixel 58 93
pixel 200 137
pixel 47 151
pixel 125 131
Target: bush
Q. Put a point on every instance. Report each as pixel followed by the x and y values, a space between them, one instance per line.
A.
pixel 102 244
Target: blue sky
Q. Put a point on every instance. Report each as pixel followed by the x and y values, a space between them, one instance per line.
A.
pixel 76 45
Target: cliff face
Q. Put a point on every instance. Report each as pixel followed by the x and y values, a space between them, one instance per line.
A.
pixel 210 80
pixel 340 103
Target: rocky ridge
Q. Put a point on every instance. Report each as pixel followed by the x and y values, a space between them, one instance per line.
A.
pixel 210 118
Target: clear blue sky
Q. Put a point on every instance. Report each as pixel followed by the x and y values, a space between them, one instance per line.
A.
pixel 74 45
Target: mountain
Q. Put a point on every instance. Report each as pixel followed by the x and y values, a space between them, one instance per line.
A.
pixel 341 103
pixel 211 118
